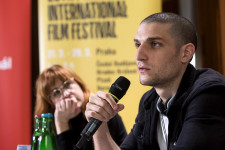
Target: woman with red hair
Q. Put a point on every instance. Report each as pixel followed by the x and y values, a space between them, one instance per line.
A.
pixel 62 92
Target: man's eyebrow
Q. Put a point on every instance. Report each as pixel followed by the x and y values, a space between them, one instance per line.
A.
pixel 150 39
pixel 153 38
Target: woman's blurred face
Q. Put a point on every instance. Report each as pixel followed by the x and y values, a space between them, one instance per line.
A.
pixel 67 90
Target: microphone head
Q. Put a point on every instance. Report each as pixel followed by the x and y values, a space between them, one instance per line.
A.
pixel 119 87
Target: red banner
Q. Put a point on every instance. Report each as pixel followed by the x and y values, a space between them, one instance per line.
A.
pixel 15 97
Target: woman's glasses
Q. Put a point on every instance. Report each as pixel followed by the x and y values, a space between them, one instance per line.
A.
pixel 57 92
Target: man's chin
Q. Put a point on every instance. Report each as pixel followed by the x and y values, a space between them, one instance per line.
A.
pixel 145 81
pixel 145 84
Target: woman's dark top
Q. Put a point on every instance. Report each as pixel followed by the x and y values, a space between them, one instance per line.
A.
pixel 68 139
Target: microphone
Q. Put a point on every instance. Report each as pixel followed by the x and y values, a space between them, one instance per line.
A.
pixel 117 90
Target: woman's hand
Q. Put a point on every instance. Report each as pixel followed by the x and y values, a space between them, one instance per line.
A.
pixel 65 110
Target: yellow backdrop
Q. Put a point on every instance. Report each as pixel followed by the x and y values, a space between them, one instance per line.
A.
pixel 95 39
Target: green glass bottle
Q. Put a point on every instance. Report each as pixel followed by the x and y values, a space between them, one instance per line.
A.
pixel 47 138
pixel 37 132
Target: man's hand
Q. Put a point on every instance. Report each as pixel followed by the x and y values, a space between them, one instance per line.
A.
pixel 102 107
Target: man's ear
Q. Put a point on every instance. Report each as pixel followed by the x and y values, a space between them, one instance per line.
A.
pixel 187 52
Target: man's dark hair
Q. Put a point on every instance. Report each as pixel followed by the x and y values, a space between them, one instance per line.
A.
pixel 182 29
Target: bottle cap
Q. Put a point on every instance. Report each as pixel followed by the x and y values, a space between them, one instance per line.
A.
pixel 46 115
pixel 37 116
